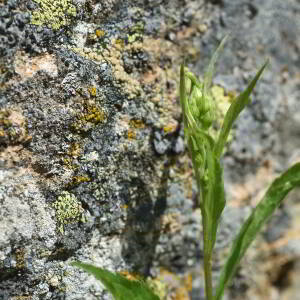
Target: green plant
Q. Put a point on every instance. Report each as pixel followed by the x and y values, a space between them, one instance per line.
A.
pixel 119 286
pixel 199 114
pixel 206 147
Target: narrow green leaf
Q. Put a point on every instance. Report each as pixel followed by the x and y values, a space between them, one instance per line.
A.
pixel 215 200
pixel 234 110
pixel 120 287
pixel 211 67
pixel 182 92
pixel 280 187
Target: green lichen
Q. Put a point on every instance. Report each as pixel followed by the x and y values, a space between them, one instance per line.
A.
pixel 68 210
pixel 53 13
pixel 136 32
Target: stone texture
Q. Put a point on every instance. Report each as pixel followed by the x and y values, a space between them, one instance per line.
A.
pixel 89 107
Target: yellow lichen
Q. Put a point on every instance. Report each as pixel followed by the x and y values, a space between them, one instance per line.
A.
pixel 93 91
pixel 138 124
pixel 99 33
pixel 68 210
pixel 53 13
pixel 76 180
pixel 92 115
pixel 75 150
pixel 20 258
pixel 131 134
pixel 95 115
pixel 170 128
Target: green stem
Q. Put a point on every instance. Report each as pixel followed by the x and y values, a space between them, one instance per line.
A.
pixel 207 253
pixel 208 278
pixel 207 257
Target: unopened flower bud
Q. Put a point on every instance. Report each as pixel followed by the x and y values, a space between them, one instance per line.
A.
pixel 202 108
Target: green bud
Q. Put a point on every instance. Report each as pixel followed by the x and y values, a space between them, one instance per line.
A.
pixel 202 107
pixel 207 112
pixel 195 102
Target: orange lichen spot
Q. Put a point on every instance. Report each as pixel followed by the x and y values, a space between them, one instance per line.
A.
pixel 131 134
pixel 99 33
pixel 130 276
pixel 93 91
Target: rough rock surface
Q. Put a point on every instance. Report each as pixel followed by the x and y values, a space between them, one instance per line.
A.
pixel 92 160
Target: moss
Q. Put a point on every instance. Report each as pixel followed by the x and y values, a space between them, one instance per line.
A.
pixel 53 13
pixel 68 210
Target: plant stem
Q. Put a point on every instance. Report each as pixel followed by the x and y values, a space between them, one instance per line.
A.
pixel 208 278
pixel 207 253
pixel 207 261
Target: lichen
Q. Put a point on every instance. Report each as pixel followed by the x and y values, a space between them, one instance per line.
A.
pixel 53 13
pixel 93 91
pixel 76 180
pixel 20 258
pixel 68 210
pixel 131 134
pixel 13 128
pixel 92 115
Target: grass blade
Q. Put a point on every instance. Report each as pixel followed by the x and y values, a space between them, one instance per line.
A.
pixel 120 287
pixel 280 187
pixel 234 110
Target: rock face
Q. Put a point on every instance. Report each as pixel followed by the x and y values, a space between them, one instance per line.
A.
pixel 92 160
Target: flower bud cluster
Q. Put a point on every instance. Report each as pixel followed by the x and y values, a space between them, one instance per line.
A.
pixel 200 104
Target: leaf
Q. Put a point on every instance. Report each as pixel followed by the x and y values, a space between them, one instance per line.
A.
pixel 211 67
pixel 120 287
pixel 182 92
pixel 234 110
pixel 280 187
pixel 214 201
